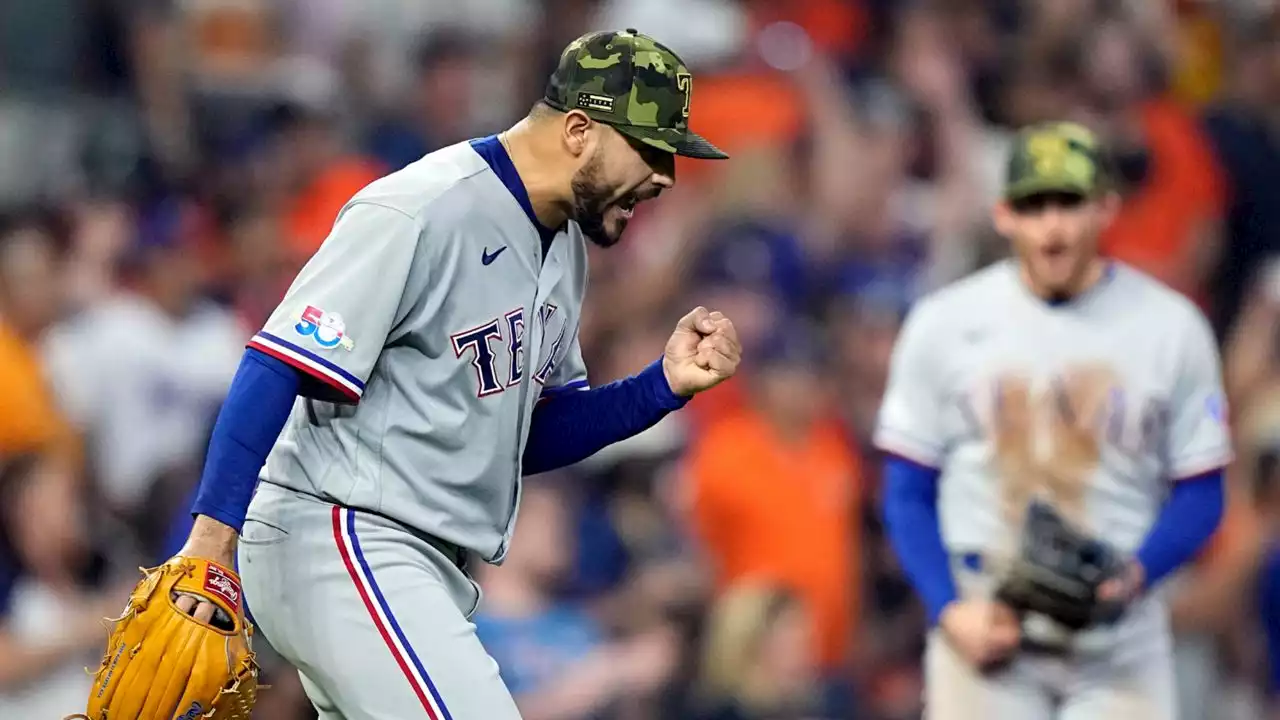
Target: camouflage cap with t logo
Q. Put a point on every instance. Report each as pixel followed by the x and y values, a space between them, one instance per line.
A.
pixel 1055 157
pixel 633 83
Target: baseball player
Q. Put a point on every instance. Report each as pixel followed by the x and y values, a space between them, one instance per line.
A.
pixel 1055 438
pixel 422 361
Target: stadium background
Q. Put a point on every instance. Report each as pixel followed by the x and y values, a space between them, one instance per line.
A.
pixel 166 165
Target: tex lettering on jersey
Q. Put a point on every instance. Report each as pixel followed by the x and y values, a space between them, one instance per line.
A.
pixel 480 347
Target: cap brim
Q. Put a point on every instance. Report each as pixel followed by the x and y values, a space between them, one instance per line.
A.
pixel 688 144
pixel 696 146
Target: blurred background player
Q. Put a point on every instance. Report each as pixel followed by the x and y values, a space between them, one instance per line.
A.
pixel 869 138
pixel 1064 377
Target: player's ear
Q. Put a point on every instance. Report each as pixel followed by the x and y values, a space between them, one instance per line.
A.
pixel 577 132
pixel 1109 206
pixel 1002 218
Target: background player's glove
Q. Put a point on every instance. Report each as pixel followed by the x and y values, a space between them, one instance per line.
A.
pixel 163 664
pixel 1058 573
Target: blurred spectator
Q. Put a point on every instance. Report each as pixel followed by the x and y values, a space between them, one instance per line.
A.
pixel 1269 581
pixel 33 250
pixel 259 269
pixel 1241 565
pixel 1204 602
pixel 863 328
pixel 1170 222
pixel 775 493
pixel 1252 375
pixel 1251 355
pixel 143 372
pixel 558 662
pixel 229 43
pixel 895 172
pixel 437 109
pixel 757 658
pixel 628 528
pixel 1252 372
pixel 51 607
pixel 103 230
pixel 382 36
pixel 752 271
pixel 80 84
pixel 307 170
pixel 1242 128
pixel 1200 48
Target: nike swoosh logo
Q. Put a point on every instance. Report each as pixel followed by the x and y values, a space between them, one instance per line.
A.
pixel 488 257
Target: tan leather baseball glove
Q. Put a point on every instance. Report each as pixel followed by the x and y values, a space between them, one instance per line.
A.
pixel 163 664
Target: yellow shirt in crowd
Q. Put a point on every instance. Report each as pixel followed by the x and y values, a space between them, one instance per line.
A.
pixel 31 421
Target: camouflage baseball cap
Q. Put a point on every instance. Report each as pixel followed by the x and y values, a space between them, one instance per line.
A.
pixel 633 83
pixel 1055 157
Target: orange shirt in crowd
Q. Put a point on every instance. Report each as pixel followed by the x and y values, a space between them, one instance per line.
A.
pixel 750 108
pixel 729 399
pixel 31 421
pixel 785 512
pixel 1158 226
pixel 741 111
pixel 311 215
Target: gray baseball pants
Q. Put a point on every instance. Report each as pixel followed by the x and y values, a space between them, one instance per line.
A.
pixel 375 618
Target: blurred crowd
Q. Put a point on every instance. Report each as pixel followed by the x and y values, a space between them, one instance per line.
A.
pixel 167 165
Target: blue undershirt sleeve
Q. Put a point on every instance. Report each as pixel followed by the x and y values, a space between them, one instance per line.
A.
pixel 1185 523
pixel 572 426
pixel 256 409
pixel 911 519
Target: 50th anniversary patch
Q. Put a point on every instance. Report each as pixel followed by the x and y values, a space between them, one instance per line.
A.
pixel 326 329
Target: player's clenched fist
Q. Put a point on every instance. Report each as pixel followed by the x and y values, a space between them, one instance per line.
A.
pixel 983 632
pixel 702 352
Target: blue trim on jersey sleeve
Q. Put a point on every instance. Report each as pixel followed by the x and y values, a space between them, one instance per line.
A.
pixel 557 390
pixel 1184 525
pixel 326 364
pixel 573 426
pixel 911 519
pixel 255 411
pixel 491 150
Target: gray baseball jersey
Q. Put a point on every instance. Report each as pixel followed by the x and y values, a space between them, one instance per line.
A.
pixel 429 323
pixel 1095 405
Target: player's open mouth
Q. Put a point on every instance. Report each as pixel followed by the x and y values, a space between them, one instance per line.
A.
pixel 627 205
pixel 1054 250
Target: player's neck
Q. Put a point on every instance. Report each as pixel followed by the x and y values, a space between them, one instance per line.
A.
pixel 539 171
pixel 1088 279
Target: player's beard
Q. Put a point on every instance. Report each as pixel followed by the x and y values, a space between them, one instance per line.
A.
pixel 591 199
